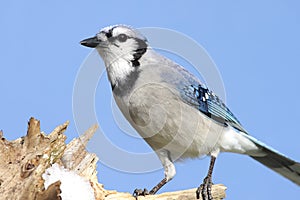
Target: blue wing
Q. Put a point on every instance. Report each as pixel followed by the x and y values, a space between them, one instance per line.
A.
pixel 210 104
pixel 194 93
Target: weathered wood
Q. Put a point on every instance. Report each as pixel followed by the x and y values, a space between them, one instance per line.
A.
pixel 77 159
pixel 52 192
pixel 24 160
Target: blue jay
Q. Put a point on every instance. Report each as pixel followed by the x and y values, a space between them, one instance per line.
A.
pixel 177 115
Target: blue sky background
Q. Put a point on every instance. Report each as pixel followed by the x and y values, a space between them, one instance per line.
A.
pixel 255 45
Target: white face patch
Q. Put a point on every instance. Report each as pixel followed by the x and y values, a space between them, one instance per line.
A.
pixel 121 54
pixel 118 71
pixel 117 58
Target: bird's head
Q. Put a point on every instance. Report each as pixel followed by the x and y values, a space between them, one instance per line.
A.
pixel 118 42
pixel 121 48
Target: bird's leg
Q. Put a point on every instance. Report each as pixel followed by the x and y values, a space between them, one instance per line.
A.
pixel 205 187
pixel 158 186
pixel 170 172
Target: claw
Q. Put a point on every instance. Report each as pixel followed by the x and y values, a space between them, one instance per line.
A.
pixel 205 190
pixel 198 192
pixel 205 187
pixel 140 192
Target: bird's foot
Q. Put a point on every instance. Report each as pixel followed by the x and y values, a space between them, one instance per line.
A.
pixel 140 192
pixel 205 189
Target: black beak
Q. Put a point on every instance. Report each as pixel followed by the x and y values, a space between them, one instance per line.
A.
pixel 90 42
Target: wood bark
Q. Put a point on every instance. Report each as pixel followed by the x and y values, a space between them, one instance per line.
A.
pixel 24 160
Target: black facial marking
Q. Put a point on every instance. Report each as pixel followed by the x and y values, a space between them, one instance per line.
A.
pixel 109 33
pixel 141 49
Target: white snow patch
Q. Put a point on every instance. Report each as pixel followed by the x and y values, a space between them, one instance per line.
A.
pixel 72 187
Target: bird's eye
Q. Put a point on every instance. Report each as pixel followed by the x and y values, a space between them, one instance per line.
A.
pixel 122 38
